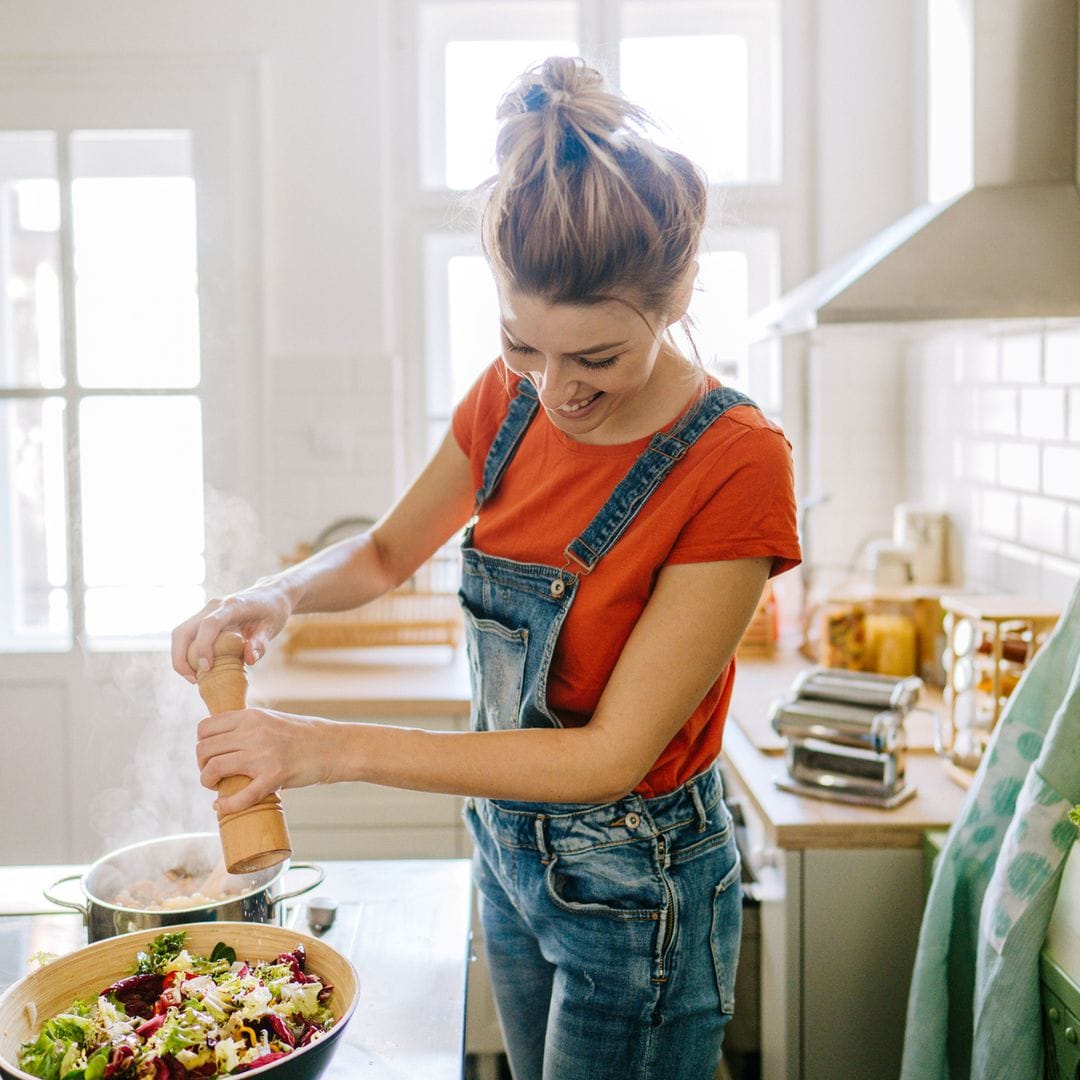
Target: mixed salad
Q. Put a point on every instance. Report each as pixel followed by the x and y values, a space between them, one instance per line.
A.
pixel 180 1016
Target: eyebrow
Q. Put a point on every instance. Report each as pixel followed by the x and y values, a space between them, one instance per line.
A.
pixel 607 347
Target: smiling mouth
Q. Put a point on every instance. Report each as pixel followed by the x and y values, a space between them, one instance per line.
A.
pixel 570 409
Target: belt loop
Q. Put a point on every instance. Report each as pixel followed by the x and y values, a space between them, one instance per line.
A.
pixel 699 807
pixel 541 840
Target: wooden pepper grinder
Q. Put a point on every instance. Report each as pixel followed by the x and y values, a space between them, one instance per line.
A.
pixel 257 837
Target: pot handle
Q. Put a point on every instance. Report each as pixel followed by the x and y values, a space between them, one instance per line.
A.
pixel 80 908
pixel 320 873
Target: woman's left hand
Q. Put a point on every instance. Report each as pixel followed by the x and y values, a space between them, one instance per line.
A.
pixel 275 749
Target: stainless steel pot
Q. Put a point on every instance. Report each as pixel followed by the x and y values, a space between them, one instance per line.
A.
pixel 254 897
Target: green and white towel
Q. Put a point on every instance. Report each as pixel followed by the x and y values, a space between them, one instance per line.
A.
pixel 973 1009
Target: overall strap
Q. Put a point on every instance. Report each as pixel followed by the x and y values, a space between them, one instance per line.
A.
pixel 503 447
pixel 665 450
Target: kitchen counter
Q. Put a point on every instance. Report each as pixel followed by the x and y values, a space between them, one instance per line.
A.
pixel 796 822
pixel 405 924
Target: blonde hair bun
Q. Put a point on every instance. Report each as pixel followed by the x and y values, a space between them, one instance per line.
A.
pixel 585 206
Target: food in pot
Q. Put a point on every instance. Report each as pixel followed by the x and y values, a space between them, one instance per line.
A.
pixel 178 888
pixel 179 1016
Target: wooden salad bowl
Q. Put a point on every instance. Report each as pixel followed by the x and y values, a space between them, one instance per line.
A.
pixel 41 995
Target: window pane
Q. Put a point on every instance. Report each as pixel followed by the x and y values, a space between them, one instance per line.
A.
pixel 478 73
pixel 474 321
pixel 142 498
pixel 33 568
pixel 136 301
pixel 30 312
pixel 719 310
pixel 696 88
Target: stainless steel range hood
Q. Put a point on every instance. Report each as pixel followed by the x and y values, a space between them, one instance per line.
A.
pixel 1007 248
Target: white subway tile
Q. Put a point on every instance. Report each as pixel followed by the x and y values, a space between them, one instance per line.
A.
pixel 978 359
pixel 1018 465
pixel 1074 415
pixel 980 461
pixel 1059 579
pixel 998 514
pixel 1019 570
pixel 982 564
pixel 1021 356
pixel 1042 524
pixel 998 411
pixel 1042 413
pixel 1063 357
pixel 1061 471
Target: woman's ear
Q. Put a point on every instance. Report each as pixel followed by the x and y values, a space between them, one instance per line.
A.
pixel 680 302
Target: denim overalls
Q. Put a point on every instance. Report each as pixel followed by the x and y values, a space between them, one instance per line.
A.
pixel 612 931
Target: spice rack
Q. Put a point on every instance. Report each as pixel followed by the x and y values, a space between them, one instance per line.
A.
pixel 990 640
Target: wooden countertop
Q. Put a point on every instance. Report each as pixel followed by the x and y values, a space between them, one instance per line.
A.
pixel 405 924
pixel 794 821
pixel 409 681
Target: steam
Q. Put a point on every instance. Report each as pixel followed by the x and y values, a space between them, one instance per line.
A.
pixel 141 734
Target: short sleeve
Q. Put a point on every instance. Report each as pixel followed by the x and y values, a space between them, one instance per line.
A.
pixel 745 503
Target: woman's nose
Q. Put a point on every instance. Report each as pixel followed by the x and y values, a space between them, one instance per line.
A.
pixel 553 384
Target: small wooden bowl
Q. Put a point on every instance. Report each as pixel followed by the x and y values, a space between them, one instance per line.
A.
pixel 41 995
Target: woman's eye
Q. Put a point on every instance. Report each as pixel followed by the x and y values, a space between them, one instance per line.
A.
pixel 606 362
pixel 519 348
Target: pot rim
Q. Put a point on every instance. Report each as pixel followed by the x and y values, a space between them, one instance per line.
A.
pixel 105 860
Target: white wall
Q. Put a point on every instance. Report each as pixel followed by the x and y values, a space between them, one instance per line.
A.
pixel 868 152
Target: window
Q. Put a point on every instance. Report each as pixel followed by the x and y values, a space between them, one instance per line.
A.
pixel 101 493
pixel 707 71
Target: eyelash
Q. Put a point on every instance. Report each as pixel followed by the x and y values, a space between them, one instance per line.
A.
pixel 592 365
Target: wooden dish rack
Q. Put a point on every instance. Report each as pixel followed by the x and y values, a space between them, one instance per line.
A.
pixel 422 611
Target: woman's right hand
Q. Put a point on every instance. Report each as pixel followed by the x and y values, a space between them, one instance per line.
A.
pixel 258 613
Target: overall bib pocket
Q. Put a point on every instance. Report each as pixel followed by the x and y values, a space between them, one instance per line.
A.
pixel 496 668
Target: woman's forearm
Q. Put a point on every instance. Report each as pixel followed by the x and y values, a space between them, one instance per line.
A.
pixel 561 765
pixel 338 578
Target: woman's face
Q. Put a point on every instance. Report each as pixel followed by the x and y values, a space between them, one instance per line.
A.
pixel 593 365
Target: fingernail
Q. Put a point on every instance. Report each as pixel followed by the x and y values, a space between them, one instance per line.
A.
pixel 204 664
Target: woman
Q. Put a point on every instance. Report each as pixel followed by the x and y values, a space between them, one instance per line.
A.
pixel 621 515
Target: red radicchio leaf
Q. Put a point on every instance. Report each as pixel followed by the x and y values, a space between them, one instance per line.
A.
pixel 276 1027
pixel 123 1059
pixel 136 993
pixel 144 1031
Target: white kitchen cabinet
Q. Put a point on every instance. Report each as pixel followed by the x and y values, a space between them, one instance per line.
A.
pixel 841 899
pixel 366 821
pixel 839 931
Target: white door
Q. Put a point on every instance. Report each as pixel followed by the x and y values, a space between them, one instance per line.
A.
pixel 129 310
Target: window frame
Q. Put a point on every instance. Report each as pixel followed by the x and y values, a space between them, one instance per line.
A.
pixel 68 94
pixel 780 207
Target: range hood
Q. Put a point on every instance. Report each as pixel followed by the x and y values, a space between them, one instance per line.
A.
pixel 1007 248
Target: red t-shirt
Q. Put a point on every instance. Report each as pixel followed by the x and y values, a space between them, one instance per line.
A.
pixel 731 497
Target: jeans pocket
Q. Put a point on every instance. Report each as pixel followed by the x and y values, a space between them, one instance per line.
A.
pixel 726 935
pixel 619 882
pixel 497 669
